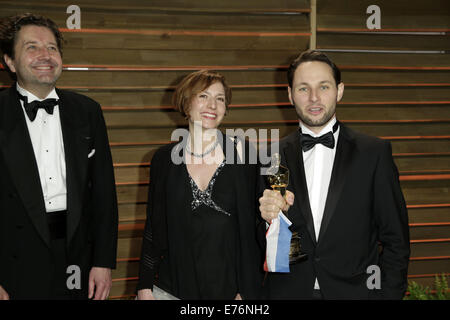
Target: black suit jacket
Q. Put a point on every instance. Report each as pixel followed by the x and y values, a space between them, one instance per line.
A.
pixel 364 208
pixel 25 261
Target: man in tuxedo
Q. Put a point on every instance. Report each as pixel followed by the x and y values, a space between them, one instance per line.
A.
pixel 58 206
pixel 345 200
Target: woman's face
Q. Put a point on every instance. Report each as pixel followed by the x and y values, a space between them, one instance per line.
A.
pixel 208 107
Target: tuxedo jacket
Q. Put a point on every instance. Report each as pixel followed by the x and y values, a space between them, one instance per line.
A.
pixel 365 223
pixel 25 258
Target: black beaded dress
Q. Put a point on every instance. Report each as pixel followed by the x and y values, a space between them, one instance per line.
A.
pixel 201 244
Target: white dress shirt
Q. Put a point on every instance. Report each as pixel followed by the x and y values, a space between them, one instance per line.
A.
pixel 318 163
pixel 46 138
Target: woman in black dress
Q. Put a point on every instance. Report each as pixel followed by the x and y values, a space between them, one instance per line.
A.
pixel 199 240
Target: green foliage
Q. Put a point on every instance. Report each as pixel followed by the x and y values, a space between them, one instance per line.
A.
pixel 419 292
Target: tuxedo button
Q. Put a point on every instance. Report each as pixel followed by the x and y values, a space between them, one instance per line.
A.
pixel 317 259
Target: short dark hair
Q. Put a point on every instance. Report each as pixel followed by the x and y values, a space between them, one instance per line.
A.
pixel 10 26
pixel 313 55
pixel 194 83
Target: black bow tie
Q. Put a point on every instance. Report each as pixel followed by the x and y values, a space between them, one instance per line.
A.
pixel 308 142
pixel 32 108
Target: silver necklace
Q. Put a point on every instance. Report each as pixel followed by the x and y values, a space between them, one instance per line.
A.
pixel 207 151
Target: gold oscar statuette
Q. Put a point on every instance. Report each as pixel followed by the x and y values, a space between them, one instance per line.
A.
pixel 278 179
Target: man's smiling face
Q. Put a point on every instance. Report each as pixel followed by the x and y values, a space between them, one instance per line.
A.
pixel 37 60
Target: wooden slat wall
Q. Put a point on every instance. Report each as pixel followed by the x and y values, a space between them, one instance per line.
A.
pixel 135 53
pixel 397 81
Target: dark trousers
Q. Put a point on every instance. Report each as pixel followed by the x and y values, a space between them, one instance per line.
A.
pixel 59 290
pixel 57 227
pixel 317 295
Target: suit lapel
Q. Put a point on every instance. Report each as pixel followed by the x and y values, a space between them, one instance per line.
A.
pixel 77 140
pixel 342 163
pixel 19 154
pixel 294 160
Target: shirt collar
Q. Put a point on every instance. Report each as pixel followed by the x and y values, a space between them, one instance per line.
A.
pixel 31 97
pixel 327 128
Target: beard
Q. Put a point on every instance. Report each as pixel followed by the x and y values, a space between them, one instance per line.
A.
pixel 320 122
pixel 28 75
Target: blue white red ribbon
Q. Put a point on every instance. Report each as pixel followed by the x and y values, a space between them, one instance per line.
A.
pixel 278 238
